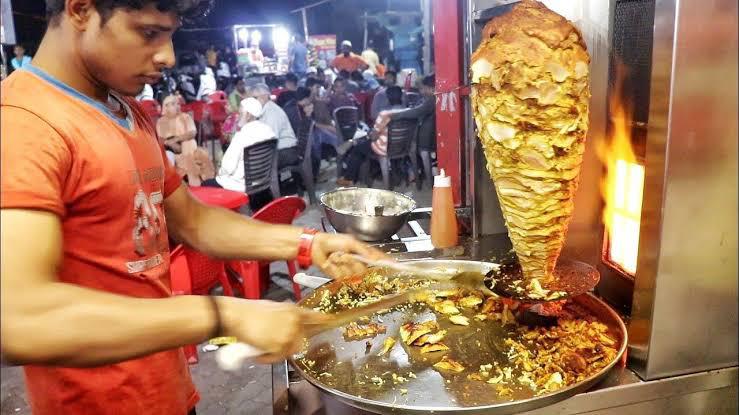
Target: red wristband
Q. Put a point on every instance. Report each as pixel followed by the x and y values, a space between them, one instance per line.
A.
pixel 305 248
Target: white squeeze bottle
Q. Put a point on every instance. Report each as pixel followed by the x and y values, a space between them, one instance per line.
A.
pixel 443 216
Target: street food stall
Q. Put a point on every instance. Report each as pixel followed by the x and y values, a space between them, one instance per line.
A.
pixel 654 217
pixel 261 49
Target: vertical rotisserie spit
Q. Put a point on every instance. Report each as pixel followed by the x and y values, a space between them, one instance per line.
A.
pixel 530 96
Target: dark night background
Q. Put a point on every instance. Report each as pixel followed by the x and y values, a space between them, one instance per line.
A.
pixel 340 17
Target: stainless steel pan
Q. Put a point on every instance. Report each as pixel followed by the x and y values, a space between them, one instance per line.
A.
pixel 341 367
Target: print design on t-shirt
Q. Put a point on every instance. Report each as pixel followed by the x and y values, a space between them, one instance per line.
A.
pixel 148 221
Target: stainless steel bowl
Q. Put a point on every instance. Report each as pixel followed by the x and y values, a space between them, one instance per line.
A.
pixel 352 210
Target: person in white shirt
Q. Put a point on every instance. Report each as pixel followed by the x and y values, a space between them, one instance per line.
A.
pixel 231 174
pixel 207 85
pixel 370 56
pixel 275 117
pixel 146 94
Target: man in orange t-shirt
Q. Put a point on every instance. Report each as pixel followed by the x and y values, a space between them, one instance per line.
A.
pixel 348 60
pixel 88 201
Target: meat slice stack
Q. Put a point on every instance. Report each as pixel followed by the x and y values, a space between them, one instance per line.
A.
pixel 530 97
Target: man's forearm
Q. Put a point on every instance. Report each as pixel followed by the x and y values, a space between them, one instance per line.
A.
pixel 97 328
pixel 222 233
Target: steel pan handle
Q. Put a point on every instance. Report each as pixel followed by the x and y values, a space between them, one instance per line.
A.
pixel 232 356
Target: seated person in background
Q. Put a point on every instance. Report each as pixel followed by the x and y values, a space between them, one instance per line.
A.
pixel 377 141
pixel 291 85
pixel 231 174
pixel 316 88
pixel 370 83
pixel 379 101
pixel 323 79
pixel 294 107
pixel 340 97
pixel 238 94
pixel 176 130
pixel 355 82
pixel 207 85
pixel 425 114
pixel 276 118
pixel 304 108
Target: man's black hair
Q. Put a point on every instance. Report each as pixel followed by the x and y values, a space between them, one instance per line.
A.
pixel 344 74
pixel 302 93
pixel 310 82
pixel 186 9
pixel 429 80
pixel 391 73
pixel 394 95
pixel 339 79
pixel 291 77
pixel 357 76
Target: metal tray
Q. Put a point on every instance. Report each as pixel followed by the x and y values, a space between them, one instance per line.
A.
pixel 351 362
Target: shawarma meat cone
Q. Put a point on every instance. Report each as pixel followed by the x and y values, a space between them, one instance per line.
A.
pixel 530 97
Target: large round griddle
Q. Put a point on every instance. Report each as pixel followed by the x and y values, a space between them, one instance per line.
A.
pixel 350 363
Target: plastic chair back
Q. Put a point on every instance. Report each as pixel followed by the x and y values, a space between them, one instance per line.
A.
pixel 304 166
pixel 198 110
pixel 217 111
pixel 195 273
pixel 282 211
pixel 401 135
pixel 151 109
pixel 305 140
pixel 347 121
pixel 218 114
pixel 260 165
pixel 218 96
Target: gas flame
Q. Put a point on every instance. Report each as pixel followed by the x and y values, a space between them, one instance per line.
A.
pixel 622 186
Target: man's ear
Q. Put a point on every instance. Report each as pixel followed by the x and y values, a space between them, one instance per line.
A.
pixel 80 13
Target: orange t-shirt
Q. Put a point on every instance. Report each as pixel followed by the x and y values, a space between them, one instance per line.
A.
pixel 351 63
pixel 105 178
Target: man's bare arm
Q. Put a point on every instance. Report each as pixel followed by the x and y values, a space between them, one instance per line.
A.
pixel 45 321
pixel 222 233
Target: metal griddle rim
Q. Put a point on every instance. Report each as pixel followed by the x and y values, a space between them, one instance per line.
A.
pixel 583 385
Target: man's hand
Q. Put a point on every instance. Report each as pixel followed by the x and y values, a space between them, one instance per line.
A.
pixel 277 329
pixel 331 254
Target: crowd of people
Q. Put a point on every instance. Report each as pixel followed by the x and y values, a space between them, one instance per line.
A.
pixel 93 214
pixel 308 96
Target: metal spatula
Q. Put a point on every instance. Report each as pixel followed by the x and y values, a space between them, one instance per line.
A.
pixel 410 270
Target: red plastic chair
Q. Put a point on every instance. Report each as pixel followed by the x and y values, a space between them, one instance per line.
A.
pixel 151 109
pixel 197 108
pixel 193 273
pixel 218 114
pixel 254 274
pixel 218 96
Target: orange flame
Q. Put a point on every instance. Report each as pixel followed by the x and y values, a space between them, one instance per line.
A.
pixel 623 185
